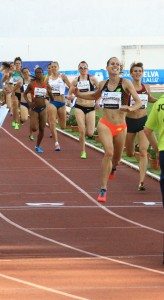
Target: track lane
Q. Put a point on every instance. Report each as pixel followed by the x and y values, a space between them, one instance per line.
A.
pixel 94 223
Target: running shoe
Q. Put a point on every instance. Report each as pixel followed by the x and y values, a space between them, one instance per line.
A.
pixel 83 155
pixel 57 147
pixel 13 124
pixel 141 187
pixel 112 174
pixel 16 126
pixel 31 138
pixel 22 122
pixel 38 149
pixel 102 196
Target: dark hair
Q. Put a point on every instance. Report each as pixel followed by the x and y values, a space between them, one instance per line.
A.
pixel 110 60
pixel 82 62
pixel 25 69
pixel 5 64
pixel 133 65
pixel 121 65
pixel 17 58
pixel 39 68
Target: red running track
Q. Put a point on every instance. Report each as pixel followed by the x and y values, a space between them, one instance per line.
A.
pixel 57 242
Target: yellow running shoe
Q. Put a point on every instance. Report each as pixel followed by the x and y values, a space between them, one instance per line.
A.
pixel 84 155
pixel 16 126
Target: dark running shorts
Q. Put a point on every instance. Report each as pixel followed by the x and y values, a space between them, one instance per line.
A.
pixel 135 125
pixel 85 110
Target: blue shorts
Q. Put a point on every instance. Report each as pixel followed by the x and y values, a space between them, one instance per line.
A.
pixel 24 104
pixel 18 95
pixel 57 104
pixel 39 109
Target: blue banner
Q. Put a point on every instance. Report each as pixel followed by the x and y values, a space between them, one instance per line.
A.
pixel 33 64
pixel 99 74
pixel 151 77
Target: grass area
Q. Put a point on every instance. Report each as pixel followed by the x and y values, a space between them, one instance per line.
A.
pixel 99 145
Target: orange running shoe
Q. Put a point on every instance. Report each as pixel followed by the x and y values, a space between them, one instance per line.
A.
pixel 102 196
pixel 112 174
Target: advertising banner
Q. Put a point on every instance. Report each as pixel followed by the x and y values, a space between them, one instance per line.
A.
pixel 152 76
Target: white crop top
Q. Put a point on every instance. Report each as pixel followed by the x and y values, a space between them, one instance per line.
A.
pixel 57 86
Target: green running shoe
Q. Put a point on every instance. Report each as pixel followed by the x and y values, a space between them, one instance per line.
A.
pixel 16 126
pixel 84 155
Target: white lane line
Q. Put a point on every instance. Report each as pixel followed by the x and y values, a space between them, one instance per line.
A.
pixel 95 202
pixel 24 207
pixel 77 249
pixel 45 204
pixel 81 190
pixel 41 287
pixel 150 203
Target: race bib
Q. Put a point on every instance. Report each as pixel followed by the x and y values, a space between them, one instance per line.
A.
pixel 56 89
pixel 40 92
pixel 111 100
pixel 83 86
pixel 16 79
pixel 143 98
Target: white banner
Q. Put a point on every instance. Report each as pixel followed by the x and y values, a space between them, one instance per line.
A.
pixel 3 113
